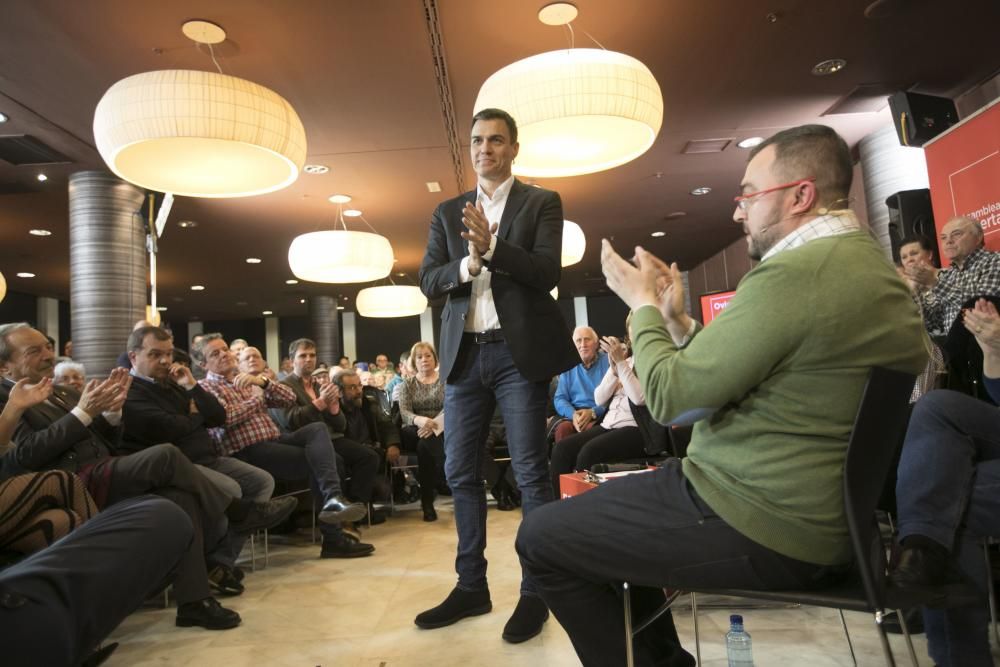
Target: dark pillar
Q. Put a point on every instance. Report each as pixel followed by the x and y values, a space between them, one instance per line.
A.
pixel 324 328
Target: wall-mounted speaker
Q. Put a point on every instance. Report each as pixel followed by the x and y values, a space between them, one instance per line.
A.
pixel 920 118
pixel 910 214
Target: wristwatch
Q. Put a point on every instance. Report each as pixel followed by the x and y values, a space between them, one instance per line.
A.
pixel 267 382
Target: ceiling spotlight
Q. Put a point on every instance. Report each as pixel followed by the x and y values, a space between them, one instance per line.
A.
pixel 315 169
pixel 302 300
pixel 698 192
pixel 433 186
pixel 340 307
pixel 291 281
pixel 25 274
pixel 253 260
pixel 340 199
pixel 161 308
pixel 352 213
pixel 197 288
pixel 657 235
pixel 267 312
pixel 750 142
pixel 40 232
pixel 42 178
pixel 4 117
pixel 187 224
pixel 828 67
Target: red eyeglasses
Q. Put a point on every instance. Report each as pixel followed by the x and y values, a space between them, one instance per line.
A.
pixel 744 201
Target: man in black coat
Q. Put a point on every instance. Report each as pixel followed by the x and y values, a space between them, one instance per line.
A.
pixel 495 254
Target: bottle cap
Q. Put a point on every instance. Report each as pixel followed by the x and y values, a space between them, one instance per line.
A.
pixel 736 619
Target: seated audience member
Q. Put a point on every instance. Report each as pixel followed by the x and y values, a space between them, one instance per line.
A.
pixel 947 500
pixel 617 437
pixel 421 410
pixel 344 362
pixel 71 373
pixel 60 603
pixel 68 349
pixel 284 368
pixel 182 357
pixel 775 380
pixel 166 404
pixel 321 376
pixel 81 432
pixel 196 369
pixel 237 346
pixel 974 272
pixel 123 361
pixel 575 395
pixel 252 436
pixel 402 372
pixel 316 404
pixel 915 252
pixel 382 373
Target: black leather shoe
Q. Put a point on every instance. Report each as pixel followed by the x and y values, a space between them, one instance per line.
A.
pixel 430 514
pixel 914 622
pixel 261 516
pixel 458 605
pixel 339 508
pixel 342 546
pixel 527 620
pixel 920 567
pixel 378 515
pixel 223 580
pixel 207 613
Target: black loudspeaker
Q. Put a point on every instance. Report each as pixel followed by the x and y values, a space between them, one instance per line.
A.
pixel 920 118
pixel 910 214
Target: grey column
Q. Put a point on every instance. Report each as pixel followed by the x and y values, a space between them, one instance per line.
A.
pixel 324 328
pixel 107 263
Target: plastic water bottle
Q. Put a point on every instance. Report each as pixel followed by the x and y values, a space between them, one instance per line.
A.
pixel 738 643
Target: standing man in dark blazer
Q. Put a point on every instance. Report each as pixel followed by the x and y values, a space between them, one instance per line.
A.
pixel 495 253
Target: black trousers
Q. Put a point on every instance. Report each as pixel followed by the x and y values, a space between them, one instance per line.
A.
pixel 360 463
pixel 595 445
pixel 430 459
pixel 57 605
pixel 652 530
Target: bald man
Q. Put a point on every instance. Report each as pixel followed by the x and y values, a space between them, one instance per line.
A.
pixel 574 398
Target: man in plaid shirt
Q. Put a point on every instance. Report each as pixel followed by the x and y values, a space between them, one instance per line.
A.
pixel 974 272
pixel 252 436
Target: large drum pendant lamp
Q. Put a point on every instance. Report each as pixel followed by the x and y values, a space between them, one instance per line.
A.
pixel 391 301
pixel 199 134
pixel 340 256
pixel 578 111
pixel 574 243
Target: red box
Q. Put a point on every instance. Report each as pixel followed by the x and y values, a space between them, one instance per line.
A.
pixel 574 484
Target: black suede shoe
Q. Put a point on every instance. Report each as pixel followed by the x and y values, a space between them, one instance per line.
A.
pixel 207 613
pixel 261 516
pixel 342 546
pixel 458 605
pixel 339 508
pixel 527 620
pixel 223 580
pixel 921 567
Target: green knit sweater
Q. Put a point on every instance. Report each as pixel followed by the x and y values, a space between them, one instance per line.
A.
pixel 781 373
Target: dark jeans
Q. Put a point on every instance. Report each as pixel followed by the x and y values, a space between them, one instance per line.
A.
pixel 582 450
pixel 430 459
pixel 948 489
pixel 360 463
pixel 652 530
pixel 484 376
pixel 57 605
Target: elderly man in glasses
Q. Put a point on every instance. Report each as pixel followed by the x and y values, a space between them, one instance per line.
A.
pixel 774 385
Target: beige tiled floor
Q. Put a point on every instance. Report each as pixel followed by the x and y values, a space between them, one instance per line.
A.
pixel 302 611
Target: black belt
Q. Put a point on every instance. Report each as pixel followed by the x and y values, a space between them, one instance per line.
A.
pixel 483 337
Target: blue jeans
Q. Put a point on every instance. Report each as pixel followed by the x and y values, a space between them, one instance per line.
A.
pixel 483 377
pixel 948 489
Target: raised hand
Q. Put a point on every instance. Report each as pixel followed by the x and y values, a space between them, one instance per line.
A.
pixel 24 395
pixel 474 219
pixel 615 350
pixel 182 375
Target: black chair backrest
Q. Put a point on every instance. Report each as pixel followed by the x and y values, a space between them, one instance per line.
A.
pixel 878 427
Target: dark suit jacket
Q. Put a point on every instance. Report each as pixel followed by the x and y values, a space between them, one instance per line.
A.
pixel 304 412
pixel 49 436
pixel 157 413
pixel 524 268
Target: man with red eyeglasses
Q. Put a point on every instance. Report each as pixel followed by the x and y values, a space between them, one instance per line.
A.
pixel 773 386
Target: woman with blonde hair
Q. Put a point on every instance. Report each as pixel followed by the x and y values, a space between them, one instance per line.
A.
pixel 421 409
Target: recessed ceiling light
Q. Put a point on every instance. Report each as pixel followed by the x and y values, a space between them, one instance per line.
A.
pixel 827 67
pixel 657 235
pixel 187 224
pixel 25 274
pixel 40 232
pixel 340 199
pixel 401 274
pixel 291 281
pixel 197 288
pixel 352 213
pixel 253 260
pixel 340 307
pixel 42 177
pixel 698 192
pixel 4 117
pixel 315 169
pixel 302 300
pixel 750 142
pixel 674 215
pixel 241 303
pixel 433 186
pixel 161 308
pixel 267 312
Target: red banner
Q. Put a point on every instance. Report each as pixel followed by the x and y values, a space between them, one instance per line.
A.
pixel 712 305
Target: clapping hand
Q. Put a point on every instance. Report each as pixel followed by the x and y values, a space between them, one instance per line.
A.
pixel 922 274
pixel 615 350
pixel 983 322
pixel 24 395
pixel 105 395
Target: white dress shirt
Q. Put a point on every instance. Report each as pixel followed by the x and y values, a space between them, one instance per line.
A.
pixel 482 311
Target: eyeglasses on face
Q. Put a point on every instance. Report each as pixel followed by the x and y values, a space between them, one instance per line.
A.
pixel 744 201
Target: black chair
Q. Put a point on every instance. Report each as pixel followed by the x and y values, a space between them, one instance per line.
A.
pixel 880 423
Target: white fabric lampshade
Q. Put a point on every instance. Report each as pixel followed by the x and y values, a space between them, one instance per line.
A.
pixel 578 111
pixel 3 287
pixel 574 243
pixel 391 301
pixel 340 256
pixel 199 134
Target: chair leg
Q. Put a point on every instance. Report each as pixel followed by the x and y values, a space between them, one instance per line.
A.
pixel 847 634
pixel 267 549
pixel 697 638
pixel 886 649
pixel 253 552
pixel 992 593
pixel 906 636
pixel 627 598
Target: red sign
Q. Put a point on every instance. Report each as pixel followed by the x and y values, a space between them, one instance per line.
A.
pixel 713 304
pixel 963 166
